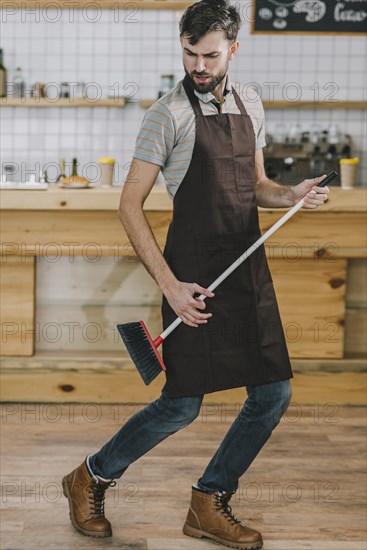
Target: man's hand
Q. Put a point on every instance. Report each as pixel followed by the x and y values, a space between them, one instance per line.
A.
pixel 313 196
pixel 181 300
pixel 270 194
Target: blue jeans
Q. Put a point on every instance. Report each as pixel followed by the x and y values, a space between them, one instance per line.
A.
pixel 261 413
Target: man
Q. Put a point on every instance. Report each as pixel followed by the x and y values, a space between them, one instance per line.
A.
pixel 209 148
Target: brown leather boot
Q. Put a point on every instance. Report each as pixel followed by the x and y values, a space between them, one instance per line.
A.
pixel 86 502
pixel 210 516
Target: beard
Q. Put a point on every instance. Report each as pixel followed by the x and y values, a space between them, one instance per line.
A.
pixel 212 83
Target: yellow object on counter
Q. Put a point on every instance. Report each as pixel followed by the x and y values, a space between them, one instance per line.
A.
pixel 106 166
pixel 354 160
pixel 348 172
pixel 107 160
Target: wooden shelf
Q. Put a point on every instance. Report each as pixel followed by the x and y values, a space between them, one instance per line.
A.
pixel 133 5
pixel 146 103
pixel 63 102
pixel 314 105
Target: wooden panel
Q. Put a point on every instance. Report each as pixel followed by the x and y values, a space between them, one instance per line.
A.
pixel 348 388
pixel 62 102
pixel 17 277
pixel 311 302
pixel 84 233
pixel 89 327
pixel 107 282
pixel 305 236
pixel 79 302
pixel 91 198
pixel 356 296
pixel 87 300
pixel 109 379
pixel 104 198
pixel 321 235
pixel 356 333
pixel 356 311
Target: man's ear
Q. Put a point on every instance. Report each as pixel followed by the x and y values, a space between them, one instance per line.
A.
pixel 233 50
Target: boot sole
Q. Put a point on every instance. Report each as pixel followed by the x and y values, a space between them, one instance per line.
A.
pixel 95 534
pixel 196 533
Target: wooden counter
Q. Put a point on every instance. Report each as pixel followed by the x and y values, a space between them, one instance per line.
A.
pixel 316 260
pixel 71 219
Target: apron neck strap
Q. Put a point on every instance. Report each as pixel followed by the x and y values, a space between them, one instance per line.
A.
pixel 194 100
pixel 239 103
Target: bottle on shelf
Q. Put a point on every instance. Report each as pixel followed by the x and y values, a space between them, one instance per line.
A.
pixel 167 82
pixel 43 176
pixel 346 151
pixel 317 162
pixel 74 171
pixel 19 83
pixel 2 76
pixel 62 171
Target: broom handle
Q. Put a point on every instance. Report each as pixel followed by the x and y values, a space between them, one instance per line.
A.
pixel 245 255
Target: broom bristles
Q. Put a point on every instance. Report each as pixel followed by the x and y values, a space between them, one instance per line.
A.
pixel 141 350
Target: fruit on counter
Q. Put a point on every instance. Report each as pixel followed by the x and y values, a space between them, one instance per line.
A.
pixel 74 179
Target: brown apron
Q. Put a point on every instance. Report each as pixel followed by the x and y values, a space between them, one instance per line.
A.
pixel 215 219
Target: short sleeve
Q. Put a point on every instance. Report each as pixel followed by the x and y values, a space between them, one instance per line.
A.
pixel 255 109
pixel 260 137
pixel 156 136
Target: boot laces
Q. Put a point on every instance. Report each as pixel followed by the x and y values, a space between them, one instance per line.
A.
pixel 221 501
pixel 96 496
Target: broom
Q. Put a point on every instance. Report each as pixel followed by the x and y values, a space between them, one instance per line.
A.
pixel 143 349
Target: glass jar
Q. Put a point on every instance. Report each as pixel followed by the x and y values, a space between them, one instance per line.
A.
pixel 166 84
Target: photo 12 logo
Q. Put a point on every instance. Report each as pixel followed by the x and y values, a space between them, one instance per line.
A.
pixel 69 12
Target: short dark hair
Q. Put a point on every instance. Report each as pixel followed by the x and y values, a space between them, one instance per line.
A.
pixel 206 16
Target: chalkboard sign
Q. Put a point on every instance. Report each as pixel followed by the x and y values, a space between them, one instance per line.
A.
pixel 309 16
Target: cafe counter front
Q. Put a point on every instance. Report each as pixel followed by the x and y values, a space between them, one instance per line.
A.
pixel 317 262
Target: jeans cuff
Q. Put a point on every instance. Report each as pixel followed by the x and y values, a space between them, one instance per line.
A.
pixel 91 471
pixel 202 487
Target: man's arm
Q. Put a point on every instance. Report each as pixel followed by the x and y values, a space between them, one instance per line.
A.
pixel 270 194
pixel 138 184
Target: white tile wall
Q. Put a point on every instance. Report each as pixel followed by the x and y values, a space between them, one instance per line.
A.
pixel 131 46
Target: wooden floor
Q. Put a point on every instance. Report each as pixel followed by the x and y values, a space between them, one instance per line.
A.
pixel 305 490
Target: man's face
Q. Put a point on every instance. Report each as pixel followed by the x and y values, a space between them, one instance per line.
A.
pixel 206 63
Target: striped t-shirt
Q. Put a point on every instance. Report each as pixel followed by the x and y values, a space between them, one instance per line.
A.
pixel 167 133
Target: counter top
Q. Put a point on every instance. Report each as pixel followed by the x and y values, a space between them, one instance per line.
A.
pixel 93 198
pixel 104 198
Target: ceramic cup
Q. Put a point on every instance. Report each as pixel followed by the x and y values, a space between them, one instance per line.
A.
pixel 107 166
pixel 348 172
